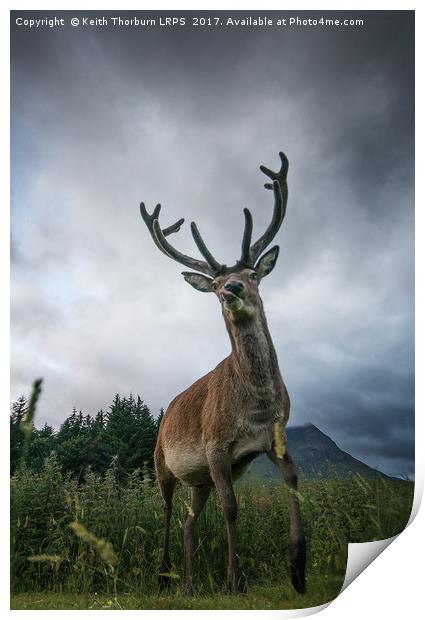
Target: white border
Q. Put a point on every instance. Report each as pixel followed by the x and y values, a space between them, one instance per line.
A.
pixel 392 586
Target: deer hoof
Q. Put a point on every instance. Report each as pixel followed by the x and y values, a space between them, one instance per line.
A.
pixel 298 579
pixel 297 564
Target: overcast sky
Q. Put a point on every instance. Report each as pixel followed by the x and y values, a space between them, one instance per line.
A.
pixel 105 117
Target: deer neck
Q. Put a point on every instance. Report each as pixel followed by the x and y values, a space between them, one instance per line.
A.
pixel 253 355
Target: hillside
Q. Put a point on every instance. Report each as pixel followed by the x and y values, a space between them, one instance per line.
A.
pixel 315 454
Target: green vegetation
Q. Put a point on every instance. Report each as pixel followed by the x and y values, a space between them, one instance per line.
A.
pixel 48 556
pixel 282 596
pixel 128 430
pixel 87 521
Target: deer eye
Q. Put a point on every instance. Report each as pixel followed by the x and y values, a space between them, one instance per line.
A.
pixel 253 276
pixel 214 286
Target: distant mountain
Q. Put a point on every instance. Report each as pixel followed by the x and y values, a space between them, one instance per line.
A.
pixel 315 454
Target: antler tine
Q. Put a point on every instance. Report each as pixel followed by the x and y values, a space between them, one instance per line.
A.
pixel 167 248
pixel 173 228
pixel 246 240
pixel 277 176
pixel 215 265
pixel 149 219
pixel 158 235
pixel 277 218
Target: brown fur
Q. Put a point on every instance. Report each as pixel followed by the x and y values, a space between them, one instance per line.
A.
pixel 226 418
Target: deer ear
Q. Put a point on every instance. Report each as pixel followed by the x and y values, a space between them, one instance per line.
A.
pixel 201 283
pixel 267 262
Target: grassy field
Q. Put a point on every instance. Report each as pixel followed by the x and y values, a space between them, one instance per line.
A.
pixel 109 559
pixel 320 588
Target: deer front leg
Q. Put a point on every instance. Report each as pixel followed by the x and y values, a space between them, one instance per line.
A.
pixel 199 498
pixel 221 474
pixel 297 546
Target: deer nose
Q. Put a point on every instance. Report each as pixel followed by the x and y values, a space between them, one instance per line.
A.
pixel 234 287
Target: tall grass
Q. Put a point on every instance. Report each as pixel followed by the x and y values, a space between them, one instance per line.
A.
pixel 48 554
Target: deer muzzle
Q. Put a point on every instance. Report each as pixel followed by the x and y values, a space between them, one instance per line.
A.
pixel 231 292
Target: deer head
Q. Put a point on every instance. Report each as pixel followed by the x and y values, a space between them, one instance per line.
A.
pixel 237 286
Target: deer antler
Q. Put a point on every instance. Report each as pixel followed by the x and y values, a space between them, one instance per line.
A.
pixel 249 253
pixel 280 189
pixel 212 267
pixel 245 258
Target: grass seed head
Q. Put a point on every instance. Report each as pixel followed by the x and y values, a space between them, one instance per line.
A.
pixel 27 420
pixel 44 557
pixel 103 547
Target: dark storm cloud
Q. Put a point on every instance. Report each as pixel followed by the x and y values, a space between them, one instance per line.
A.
pixel 103 118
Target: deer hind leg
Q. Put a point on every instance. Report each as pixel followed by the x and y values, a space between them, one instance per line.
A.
pixel 297 546
pixel 222 476
pixel 199 498
pixel 167 483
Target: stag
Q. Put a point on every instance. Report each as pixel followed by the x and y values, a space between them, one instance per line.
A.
pixel 212 431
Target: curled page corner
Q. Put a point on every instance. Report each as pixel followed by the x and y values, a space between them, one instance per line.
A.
pixel 360 555
pixel 417 499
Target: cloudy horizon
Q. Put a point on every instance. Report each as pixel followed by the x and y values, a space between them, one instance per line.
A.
pixel 103 118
